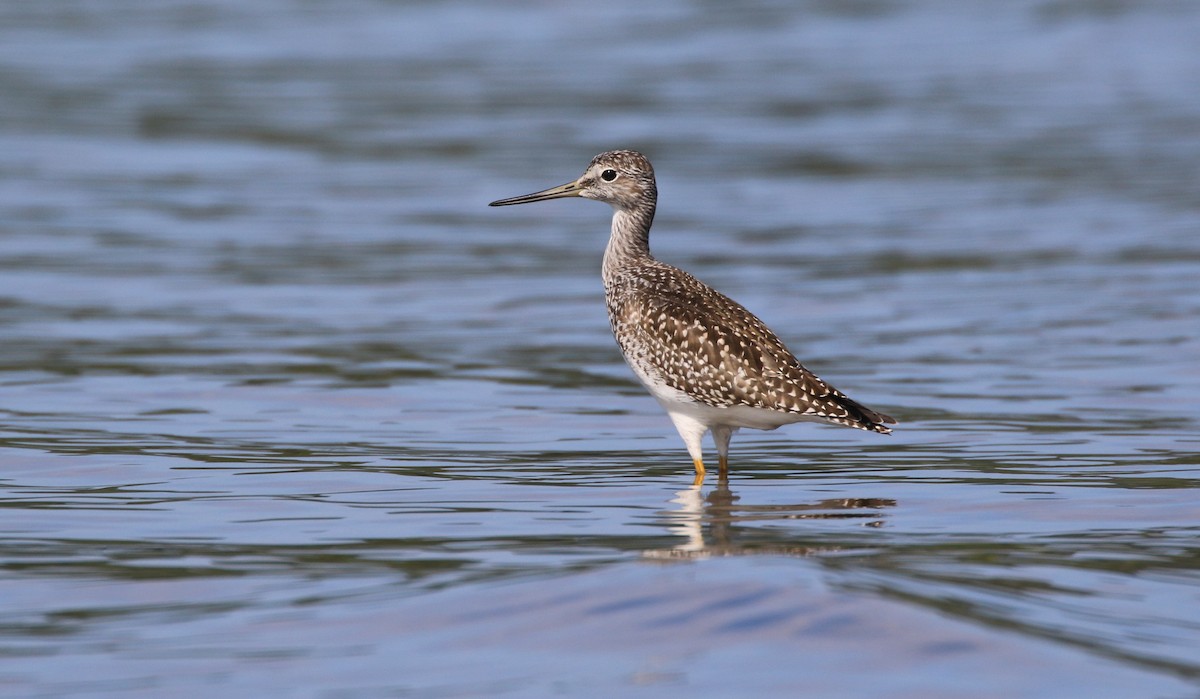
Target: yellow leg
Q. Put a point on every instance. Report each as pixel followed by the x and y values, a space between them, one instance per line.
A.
pixel 721 435
pixel 699 472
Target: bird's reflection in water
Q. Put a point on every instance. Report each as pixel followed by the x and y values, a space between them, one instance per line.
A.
pixel 713 524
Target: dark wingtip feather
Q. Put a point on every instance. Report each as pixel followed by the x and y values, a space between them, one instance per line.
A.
pixel 864 418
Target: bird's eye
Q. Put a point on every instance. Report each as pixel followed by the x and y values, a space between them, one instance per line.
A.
pixel 608 175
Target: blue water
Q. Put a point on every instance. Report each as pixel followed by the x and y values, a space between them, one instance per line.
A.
pixel 287 411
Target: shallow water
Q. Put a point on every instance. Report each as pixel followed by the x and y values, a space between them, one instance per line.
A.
pixel 286 410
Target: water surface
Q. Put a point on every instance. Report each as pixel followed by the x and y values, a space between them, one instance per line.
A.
pixel 286 410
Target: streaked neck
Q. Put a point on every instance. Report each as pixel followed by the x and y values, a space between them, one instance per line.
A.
pixel 630 238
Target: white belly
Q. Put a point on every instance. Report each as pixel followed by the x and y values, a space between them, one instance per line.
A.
pixel 676 402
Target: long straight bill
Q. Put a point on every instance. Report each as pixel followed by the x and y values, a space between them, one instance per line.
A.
pixel 570 189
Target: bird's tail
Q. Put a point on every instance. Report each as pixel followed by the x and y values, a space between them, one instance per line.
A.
pixel 863 418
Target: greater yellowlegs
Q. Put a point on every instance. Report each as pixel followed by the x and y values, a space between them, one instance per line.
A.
pixel 711 364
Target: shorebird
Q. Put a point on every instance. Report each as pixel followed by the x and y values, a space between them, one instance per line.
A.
pixel 711 364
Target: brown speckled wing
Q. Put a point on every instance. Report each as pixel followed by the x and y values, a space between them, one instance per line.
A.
pixel 708 346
